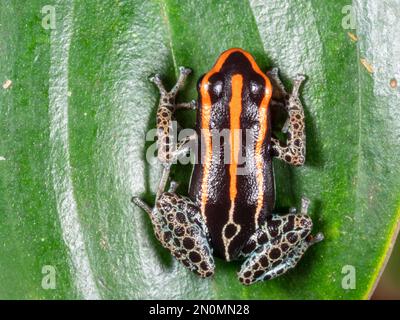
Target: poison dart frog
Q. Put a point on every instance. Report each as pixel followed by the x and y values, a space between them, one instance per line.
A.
pixel 229 213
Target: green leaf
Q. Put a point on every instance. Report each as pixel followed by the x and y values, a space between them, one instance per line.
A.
pixel 73 148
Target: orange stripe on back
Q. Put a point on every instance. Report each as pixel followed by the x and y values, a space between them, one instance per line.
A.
pixel 235 110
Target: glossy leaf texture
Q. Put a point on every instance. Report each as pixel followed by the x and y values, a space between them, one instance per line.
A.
pixel 73 127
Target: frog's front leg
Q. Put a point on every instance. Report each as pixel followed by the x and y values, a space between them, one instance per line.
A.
pixel 179 227
pixel 168 148
pixel 294 150
pixel 277 246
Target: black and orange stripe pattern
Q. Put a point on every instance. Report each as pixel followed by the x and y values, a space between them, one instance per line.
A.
pixel 233 96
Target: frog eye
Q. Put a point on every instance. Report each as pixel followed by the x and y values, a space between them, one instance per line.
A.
pixel 254 87
pixel 217 88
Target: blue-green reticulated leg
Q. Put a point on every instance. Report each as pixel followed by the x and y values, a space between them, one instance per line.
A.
pixel 179 226
pixel 277 246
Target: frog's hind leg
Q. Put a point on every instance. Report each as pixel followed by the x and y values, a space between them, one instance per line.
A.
pixel 184 233
pixel 271 260
pixel 179 226
pixel 168 148
pixel 294 150
pixel 277 246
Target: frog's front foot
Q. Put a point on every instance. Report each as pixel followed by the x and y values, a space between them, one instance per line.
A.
pixel 285 239
pixel 168 98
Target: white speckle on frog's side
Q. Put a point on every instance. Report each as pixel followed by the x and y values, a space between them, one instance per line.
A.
pixel 7 84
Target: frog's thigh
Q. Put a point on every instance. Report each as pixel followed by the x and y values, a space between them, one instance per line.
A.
pixel 275 248
pixel 184 234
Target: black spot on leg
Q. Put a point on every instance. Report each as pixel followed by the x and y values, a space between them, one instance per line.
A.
pixel 192 209
pixel 292 237
pixel 247 274
pixel 188 243
pixel 289 224
pixel 194 256
pixel 288 158
pixel 305 234
pixel 262 238
pixel 180 217
pixel 258 273
pixel 179 231
pixel 264 261
pixel 167 236
pixel 275 253
pixel 280 271
pixel 273 227
pixel 166 207
pixel 204 266
pixel 276 263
